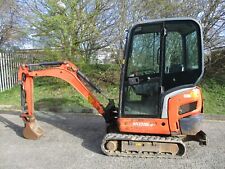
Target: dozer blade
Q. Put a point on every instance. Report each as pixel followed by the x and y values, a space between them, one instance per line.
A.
pixel 32 130
pixel 199 137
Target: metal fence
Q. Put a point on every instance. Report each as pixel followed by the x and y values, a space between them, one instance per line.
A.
pixel 9 63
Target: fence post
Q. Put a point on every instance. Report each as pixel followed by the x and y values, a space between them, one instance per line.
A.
pixel 1 72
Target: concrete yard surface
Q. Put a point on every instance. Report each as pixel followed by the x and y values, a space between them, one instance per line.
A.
pixel 73 141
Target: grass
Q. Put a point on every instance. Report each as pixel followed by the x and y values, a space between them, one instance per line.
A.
pixel 52 94
pixel 214 96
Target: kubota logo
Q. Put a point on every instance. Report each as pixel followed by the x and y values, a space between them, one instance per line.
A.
pixel 144 124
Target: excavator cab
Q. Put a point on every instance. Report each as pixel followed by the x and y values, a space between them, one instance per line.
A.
pixel 161 57
pixel 160 105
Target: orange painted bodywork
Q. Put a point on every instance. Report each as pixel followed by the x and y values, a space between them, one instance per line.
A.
pixel 66 72
pixel 144 125
pixel 183 98
pixel 166 126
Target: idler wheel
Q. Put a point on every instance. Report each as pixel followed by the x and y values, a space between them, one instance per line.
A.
pixel 111 145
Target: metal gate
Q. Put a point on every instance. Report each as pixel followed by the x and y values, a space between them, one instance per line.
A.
pixel 9 63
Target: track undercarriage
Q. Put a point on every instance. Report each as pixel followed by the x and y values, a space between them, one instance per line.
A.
pixel 117 144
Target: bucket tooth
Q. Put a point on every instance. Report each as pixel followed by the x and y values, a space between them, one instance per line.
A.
pixel 32 130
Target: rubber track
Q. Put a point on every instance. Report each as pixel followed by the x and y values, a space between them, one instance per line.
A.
pixel 130 137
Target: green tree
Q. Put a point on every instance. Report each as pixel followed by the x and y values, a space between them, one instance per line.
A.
pixel 70 26
pixel 78 28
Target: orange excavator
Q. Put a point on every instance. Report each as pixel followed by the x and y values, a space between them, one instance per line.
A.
pixel 160 107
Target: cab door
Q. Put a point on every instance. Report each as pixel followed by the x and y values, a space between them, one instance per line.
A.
pixel 183 63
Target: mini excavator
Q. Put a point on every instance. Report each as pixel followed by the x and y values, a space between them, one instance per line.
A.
pixel 160 105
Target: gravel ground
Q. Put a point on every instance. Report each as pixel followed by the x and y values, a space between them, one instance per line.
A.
pixel 73 141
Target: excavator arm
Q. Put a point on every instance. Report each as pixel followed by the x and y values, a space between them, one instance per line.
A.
pixel 66 71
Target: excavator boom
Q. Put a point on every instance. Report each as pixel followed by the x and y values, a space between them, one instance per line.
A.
pixel 62 70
